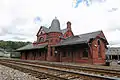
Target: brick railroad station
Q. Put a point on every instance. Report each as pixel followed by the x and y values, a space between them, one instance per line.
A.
pixel 54 44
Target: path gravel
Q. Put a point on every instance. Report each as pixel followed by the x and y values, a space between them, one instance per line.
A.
pixel 7 73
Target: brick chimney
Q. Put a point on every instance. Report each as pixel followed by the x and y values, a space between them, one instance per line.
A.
pixel 69 25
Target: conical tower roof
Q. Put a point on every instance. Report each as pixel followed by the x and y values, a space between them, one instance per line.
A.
pixel 55 26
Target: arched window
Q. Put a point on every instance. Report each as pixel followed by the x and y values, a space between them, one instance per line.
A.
pixel 98 42
pixel 41 39
pixel 69 54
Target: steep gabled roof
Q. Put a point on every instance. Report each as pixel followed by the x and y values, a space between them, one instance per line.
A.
pixel 44 28
pixel 31 47
pixel 79 39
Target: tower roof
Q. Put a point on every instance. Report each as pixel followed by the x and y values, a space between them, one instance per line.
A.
pixel 55 26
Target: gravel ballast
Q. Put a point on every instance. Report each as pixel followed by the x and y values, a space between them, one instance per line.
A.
pixel 7 73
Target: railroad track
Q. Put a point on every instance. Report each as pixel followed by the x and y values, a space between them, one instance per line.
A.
pixel 98 71
pixel 52 73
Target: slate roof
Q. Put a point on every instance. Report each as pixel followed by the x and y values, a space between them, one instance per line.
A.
pixel 45 29
pixel 31 47
pixel 113 51
pixel 79 39
pixel 55 26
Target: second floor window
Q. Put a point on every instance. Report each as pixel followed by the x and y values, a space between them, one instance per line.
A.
pixel 41 39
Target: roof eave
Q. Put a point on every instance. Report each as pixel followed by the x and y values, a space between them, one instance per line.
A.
pixel 31 48
pixel 26 50
pixel 84 42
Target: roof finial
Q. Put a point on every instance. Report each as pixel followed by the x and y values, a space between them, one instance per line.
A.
pixel 55 17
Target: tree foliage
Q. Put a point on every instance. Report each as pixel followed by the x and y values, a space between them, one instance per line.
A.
pixel 12 45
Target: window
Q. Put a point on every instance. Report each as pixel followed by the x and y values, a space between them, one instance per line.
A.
pixel 85 52
pixel 99 55
pixel 34 54
pixel 51 54
pixel 64 54
pixel 41 39
pixel 69 53
pixel 39 54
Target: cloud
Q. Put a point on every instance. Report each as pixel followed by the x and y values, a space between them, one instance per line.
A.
pixel 18 38
pixel 37 20
pixel 17 18
pixel 19 21
pixel 3 31
pixel 13 27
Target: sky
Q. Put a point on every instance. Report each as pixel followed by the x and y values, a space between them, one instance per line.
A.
pixel 20 20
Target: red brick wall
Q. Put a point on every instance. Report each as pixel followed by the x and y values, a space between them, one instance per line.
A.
pixel 54 38
pixel 95 57
pixel 76 56
pixel 43 36
pixel 68 34
pixel 30 55
pixel 53 57
pixel 42 57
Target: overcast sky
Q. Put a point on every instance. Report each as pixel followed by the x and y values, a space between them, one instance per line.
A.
pixel 20 20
